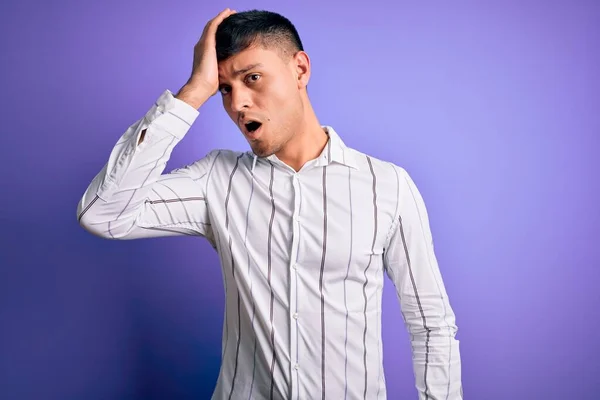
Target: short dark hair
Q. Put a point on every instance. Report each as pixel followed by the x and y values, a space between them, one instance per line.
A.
pixel 264 28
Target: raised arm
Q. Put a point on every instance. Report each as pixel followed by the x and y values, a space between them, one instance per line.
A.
pixel 130 197
pixel 411 264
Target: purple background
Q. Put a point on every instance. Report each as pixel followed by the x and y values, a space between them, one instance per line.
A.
pixel 492 108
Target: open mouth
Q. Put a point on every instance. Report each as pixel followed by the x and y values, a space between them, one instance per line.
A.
pixel 252 126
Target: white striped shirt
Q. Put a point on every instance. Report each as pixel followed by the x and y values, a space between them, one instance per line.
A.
pixel 303 257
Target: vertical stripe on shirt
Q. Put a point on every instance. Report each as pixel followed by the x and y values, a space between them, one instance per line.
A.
pixel 321 283
pixel 414 285
pixel 251 285
pixel 239 336
pixel 269 259
pixel 345 280
pixel 367 268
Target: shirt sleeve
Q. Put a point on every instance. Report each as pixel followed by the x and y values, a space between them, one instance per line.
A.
pixel 411 264
pixel 131 198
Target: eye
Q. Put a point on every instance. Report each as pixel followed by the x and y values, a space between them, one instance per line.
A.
pixel 224 89
pixel 252 78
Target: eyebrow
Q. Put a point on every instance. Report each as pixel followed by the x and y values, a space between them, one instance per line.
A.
pixel 246 69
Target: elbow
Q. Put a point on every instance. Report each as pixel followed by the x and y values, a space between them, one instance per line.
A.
pixel 86 221
pixel 439 324
pixel 435 331
pixel 92 222
pixel 104 230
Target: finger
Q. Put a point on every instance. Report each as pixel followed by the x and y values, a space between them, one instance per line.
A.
pixel 214 23
pixel 219 17
pixel 211 21
pixel 222 15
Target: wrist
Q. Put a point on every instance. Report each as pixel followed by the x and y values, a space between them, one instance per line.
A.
pixel 194 93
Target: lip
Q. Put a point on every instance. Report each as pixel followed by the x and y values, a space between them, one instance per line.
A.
pixel 253 135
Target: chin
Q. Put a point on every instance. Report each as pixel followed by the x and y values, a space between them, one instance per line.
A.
pixel 259 149
pixel 261 152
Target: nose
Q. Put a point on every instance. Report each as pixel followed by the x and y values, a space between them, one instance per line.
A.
pixel 240 100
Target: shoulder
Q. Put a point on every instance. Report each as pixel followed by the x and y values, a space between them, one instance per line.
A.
pixel 391 179
pixel 382 170
pixel 219 159
pixel 224 156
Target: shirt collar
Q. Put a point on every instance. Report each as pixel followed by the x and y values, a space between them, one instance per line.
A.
pixel 335 151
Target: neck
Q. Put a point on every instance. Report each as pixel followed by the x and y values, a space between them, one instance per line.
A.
pixel 307 143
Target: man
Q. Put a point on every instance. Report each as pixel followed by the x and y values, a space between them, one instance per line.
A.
pixel 304 226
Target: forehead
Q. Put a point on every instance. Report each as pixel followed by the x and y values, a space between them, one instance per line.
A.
pixel 268 58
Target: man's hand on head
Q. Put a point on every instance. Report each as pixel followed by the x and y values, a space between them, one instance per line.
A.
pixel 204 80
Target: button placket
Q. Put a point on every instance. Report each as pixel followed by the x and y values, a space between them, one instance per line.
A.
pixel 294 283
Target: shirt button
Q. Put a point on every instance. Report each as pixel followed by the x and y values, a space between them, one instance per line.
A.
pixel 296 367
pixel 295 315
pixel 295 266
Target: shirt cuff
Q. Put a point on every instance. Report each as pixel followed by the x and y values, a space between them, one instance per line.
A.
pixel 173 115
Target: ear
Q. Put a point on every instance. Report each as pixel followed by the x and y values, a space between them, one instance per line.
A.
pixel 302 68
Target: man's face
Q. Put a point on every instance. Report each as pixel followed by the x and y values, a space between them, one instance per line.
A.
pixel 261 94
